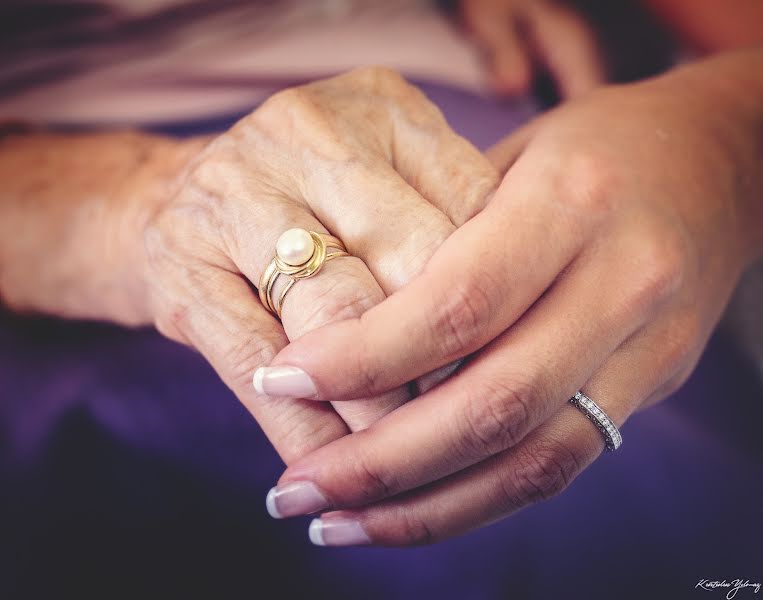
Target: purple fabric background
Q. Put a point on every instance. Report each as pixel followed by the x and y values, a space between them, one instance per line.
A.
pixel 128 470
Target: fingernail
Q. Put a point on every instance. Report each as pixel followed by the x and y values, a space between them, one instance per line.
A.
pixel 337 532
pixel 296 498
pixel 283 381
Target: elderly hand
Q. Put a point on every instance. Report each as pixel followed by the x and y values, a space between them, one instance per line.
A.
pixel 517 35
pixel 602 262
pixel 180 236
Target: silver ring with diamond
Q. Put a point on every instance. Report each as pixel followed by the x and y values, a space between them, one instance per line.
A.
pixel 598 417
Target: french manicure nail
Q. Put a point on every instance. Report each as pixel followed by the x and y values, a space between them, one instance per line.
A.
pixel 337 532
pixel 283 381
pixel 296 498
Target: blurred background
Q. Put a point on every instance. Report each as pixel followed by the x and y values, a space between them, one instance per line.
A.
pixel 127 469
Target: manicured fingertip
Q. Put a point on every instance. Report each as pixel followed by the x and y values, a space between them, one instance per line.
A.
pixel 282 380
pixel 337 532
pixel 257 380
pixel 315 531
pixel 270 504
pixel 295 499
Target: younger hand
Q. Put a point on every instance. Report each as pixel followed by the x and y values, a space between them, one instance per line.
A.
pixel 602 263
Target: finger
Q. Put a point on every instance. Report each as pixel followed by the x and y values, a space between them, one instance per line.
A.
pixel 649 365
pixel 448 171
pixel 566 45
pixel 495 29
pixel 343 288
pixel 513 386
pixel 395 255
pixel 441 166
pixel 539 468
pixel 479 282
pixel 394 198
pixel 346 290
pixel 217 313
pixel 348 179
pixel 393 230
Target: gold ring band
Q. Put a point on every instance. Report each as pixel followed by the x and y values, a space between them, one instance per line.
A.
pixel 301 264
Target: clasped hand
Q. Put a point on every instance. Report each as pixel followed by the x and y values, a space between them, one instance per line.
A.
pixel 595 250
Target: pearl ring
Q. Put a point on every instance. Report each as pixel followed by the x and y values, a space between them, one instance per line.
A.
pixel 299 254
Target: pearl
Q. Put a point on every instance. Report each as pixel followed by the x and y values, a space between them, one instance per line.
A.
pixel 295 246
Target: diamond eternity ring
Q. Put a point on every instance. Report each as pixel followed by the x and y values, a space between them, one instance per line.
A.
pixel 598 417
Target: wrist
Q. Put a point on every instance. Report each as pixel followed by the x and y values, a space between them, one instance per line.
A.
pixel 729 90
pixel 71 211
pixel 149 185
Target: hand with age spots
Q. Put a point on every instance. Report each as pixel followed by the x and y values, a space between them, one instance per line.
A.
pixel 140 229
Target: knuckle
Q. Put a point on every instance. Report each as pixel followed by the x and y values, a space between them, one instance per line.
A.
pixel 587 185
pixel 372 479
pixel 294 430
pixel 367 369
pixel 412 530
pixel 402 266
pixel 379 77
pixel 342 296
pixel 661 264
pixel 405 97
pixel 669 262
pixel 341 308
pixel 542 472
pixel 463 317
pixel 476 186
pixel 213 180
pixel 215 167
pixel 302 119
pixel 287 103
pixel 497 415
pixel 243 356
